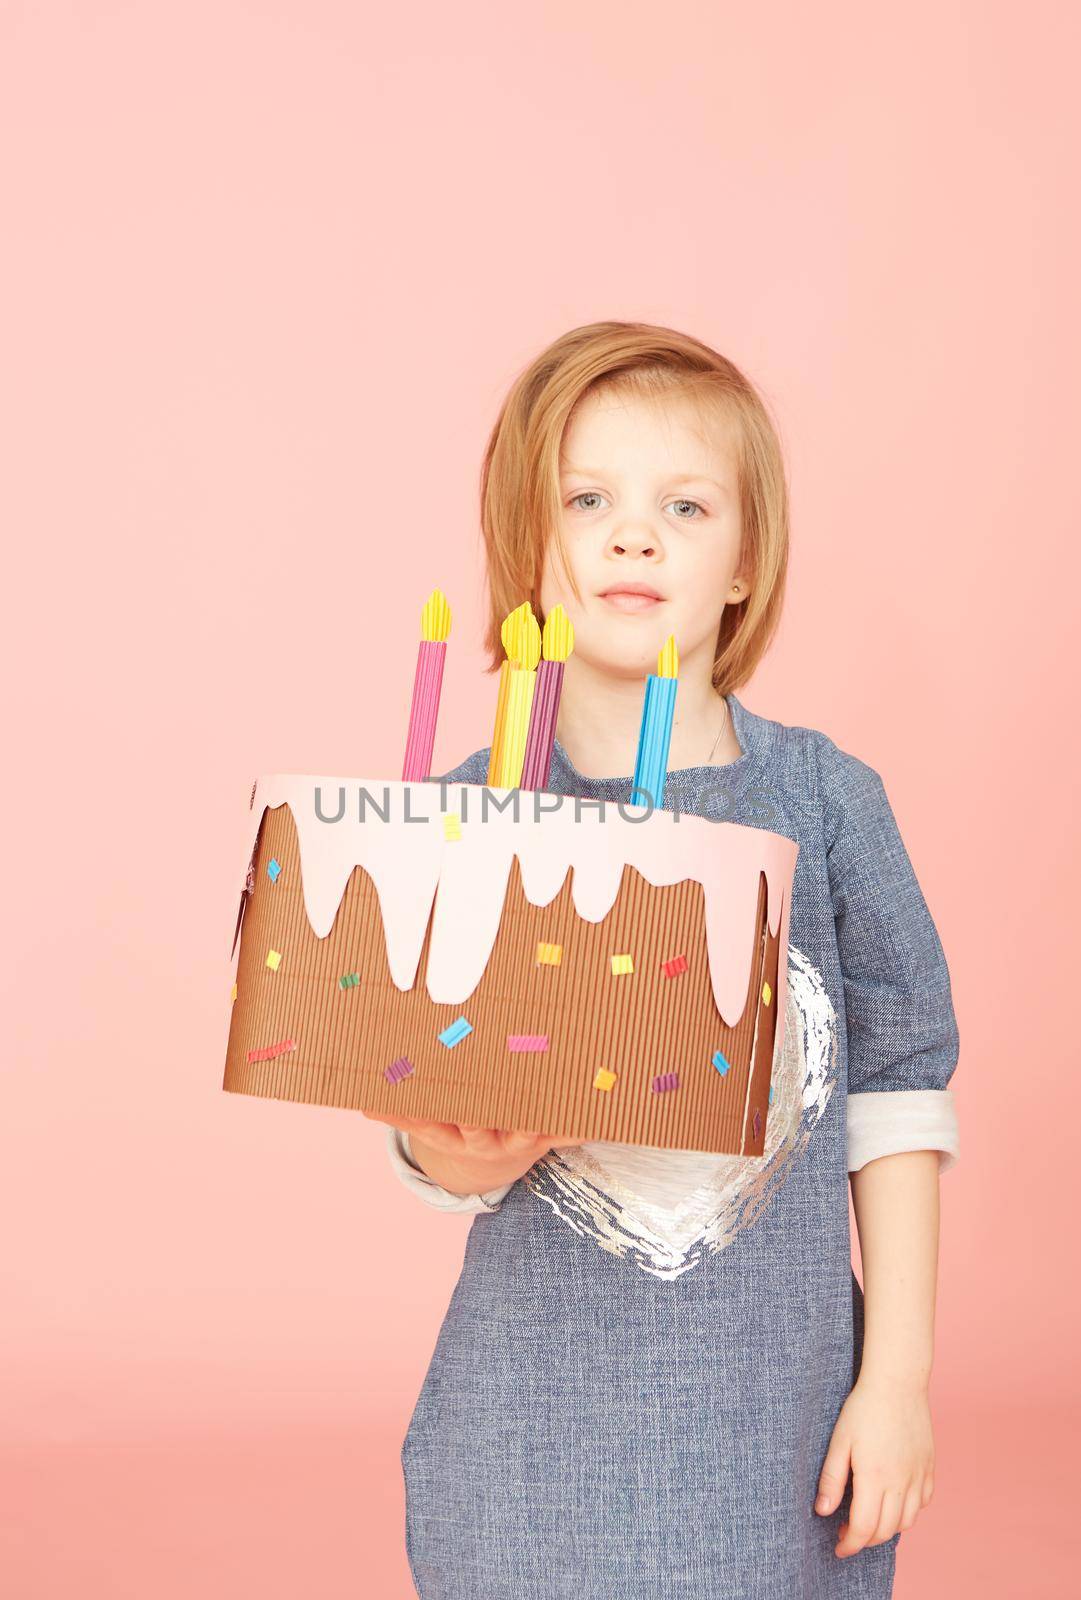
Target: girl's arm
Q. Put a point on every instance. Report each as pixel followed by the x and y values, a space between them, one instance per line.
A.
pixel 903 1044
pixel 883 1434
pixel 896 1201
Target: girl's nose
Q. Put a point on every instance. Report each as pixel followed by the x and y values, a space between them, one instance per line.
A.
pixel 632 540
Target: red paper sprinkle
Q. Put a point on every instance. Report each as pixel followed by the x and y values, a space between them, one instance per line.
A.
pixel 268 1052
pixel 673 968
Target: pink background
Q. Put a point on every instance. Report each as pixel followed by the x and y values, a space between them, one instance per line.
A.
pixel 268 270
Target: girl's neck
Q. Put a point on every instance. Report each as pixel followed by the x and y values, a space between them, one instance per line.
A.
pixel 600 716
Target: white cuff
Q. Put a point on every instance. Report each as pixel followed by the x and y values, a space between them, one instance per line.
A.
pixel 885 1121
pixel 416 1179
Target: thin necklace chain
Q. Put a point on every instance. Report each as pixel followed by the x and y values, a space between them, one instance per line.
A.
pixel 720 730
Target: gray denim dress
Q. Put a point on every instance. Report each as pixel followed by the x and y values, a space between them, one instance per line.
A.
pixel 633 1401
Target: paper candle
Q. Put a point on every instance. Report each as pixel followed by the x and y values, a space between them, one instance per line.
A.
pixel 420 739
pixel 655 733
pixel 523 679
pixel 508 633
pixel 557 642
pixel 519 626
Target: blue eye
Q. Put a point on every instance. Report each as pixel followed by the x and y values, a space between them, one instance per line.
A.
pixel 594 494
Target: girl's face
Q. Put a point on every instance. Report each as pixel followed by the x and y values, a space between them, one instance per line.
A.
pixel 649 502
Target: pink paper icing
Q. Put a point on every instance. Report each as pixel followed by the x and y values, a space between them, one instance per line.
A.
pixel 412 863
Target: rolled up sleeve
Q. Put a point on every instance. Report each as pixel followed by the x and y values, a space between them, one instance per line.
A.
pixel 432 1193
pixel 902 1035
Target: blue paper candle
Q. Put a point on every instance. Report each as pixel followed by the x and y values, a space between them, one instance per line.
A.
pixel 655 733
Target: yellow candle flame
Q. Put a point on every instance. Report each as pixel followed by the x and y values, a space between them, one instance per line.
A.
pixel 521 637
pixel 558 638
pixel 435 617
pixel 668 659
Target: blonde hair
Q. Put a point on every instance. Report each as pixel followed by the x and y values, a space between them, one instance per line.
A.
pixel 520 486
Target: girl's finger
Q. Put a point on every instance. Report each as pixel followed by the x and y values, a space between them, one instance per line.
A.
pixel 834 1475
pixel 889 1518
pixel 862 1521
pixel 911 1508
pixel 443 1135
pixel 516 1139
pixel 479 1141
pixel 397 1121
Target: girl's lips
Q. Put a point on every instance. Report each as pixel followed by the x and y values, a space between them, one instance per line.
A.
pixel 622 601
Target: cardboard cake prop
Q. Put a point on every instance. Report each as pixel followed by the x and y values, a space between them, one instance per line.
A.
pixel 499 956
pixel 505 958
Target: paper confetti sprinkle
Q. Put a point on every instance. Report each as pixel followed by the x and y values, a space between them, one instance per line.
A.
pixel 604 1078
pixel 268 1052
pixel 273 959
pixel 720 1063
pixel 527 1041
pixel 666 1081
pixel 348 980
pixel 452 825
pixel 455 1031
pixel 234 992
pixel 273 870
pixel 398 1069
pixel 622 964
pixel 674 967
pixel 770 1100
pixel 756 1122
pixel 550 955
pixel 767 994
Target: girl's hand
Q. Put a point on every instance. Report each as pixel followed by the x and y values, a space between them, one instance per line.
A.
pixel 472 1160
pixel 884 1434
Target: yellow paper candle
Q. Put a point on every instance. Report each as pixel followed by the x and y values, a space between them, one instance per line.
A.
pixel 510 634
pixel 522 641
pixel 523 680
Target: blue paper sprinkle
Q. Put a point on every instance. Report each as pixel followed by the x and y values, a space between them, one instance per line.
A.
pixel 720 1063
pixel 455 1031
pixel 273 871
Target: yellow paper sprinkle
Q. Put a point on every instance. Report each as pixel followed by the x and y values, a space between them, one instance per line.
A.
pixel 767 994
pixel 604 1078
pixel 234 991
pixel 550 955
pixel 274 959
pixel 452 825
pixel 622 964
pixel 435 617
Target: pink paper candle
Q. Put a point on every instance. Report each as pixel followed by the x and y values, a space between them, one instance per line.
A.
pixel 424 711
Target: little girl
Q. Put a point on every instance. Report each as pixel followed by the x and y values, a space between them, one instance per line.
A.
pixel 658 1375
